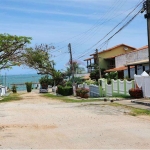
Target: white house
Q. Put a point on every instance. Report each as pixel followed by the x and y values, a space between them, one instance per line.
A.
pixel 131 63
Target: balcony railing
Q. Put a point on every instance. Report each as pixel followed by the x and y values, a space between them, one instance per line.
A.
pixel 111 66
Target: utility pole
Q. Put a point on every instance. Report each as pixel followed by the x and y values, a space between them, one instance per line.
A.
pixel 100 76
pixel 53 64
pixel 71 63
pixel 54 79
pixel 146 6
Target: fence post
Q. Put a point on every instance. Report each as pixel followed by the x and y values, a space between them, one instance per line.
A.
pixel 83 85
pixel 118 86
pixel 125 86
pixel 100 88
pixel 133 84
pixel 112 83
pixel 105 87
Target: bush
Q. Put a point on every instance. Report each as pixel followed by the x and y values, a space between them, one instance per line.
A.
pixel 65 91
pixel 78 91
pixel 29 86
pixel 82 92
pixel 44 80
pixel 69 83
pixel 88 82
pixel 14 89
pixel 111 75
pixel 136 93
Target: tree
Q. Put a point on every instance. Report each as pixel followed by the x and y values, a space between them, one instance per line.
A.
pixel 81 70
pixel 68 72
pixel 76 68
pixel 95 74
pixel 111 75
pixel 11 49
pixel 57 77
pixel 38 58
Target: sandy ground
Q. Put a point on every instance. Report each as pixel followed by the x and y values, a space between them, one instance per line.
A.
pixel 40 123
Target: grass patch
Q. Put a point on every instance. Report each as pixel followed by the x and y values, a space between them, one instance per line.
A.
pixel 10 97
pixel 137 111
pixel 133 111
pixel 121 96
pixel 68 99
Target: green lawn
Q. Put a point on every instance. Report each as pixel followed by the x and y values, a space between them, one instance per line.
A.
pixel 133 111
pixel 10 97
pixel 70 100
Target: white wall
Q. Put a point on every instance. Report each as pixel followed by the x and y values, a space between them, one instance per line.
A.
pixel 120 61
pixel 131 57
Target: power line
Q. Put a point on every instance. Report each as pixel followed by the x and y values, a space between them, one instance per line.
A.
pixel 106 42
pixel 96 26
pixel 117 31
pixel 116 27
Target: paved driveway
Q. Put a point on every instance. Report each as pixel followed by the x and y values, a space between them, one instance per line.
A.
pixel 36 122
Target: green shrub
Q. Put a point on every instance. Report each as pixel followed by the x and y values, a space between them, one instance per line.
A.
pixel 65 91
pixel 29 86
pixel 82 92
pixel 111 75
pixel 78 91
pixel 69 83
pixel 14 89
pixel 88 82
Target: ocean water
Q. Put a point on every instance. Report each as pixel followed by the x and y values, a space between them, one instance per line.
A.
pixel 19 80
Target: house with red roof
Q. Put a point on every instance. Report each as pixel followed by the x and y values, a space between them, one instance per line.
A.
pixel 107 57
pixel 134 62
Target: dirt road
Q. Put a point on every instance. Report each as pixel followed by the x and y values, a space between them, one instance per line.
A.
pixel 36 122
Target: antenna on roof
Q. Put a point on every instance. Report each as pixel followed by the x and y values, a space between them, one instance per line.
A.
pixel 125 48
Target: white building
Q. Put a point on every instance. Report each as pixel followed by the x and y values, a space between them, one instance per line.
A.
pixel 137 61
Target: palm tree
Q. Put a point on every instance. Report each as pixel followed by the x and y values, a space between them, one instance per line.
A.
pixel 68 72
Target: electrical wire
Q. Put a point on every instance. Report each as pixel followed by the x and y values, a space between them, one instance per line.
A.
pixel 106 42
pixel 96 25
pixel 118 30
pixel 115 26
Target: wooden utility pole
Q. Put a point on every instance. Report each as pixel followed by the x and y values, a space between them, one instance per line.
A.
pixel 71 63
pixel 146 6
pixel 54 79
pixel 98 63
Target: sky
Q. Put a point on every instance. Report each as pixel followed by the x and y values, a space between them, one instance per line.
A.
pixel 83 23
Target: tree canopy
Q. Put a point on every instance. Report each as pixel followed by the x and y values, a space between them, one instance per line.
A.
pixel 11 49
pixel 38 58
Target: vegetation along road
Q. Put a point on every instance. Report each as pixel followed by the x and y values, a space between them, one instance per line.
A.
pixel 41 122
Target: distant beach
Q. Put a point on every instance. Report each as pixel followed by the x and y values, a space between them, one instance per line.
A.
pixel 8 80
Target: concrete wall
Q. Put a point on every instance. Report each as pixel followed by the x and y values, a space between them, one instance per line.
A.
pixel 120 61
pixel 131 57
pixel 111 53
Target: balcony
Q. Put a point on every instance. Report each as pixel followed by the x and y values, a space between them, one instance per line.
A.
pixel 111 66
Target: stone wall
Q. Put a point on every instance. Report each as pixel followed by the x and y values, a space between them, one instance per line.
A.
pixel 138 55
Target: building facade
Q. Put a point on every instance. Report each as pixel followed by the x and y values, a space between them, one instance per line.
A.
pixel 107 57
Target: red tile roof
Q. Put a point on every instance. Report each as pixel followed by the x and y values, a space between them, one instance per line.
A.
pixel 118 69
pixel 138 49
pixel 114 48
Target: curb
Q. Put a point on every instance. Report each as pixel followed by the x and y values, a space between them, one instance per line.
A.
pixel 141 103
